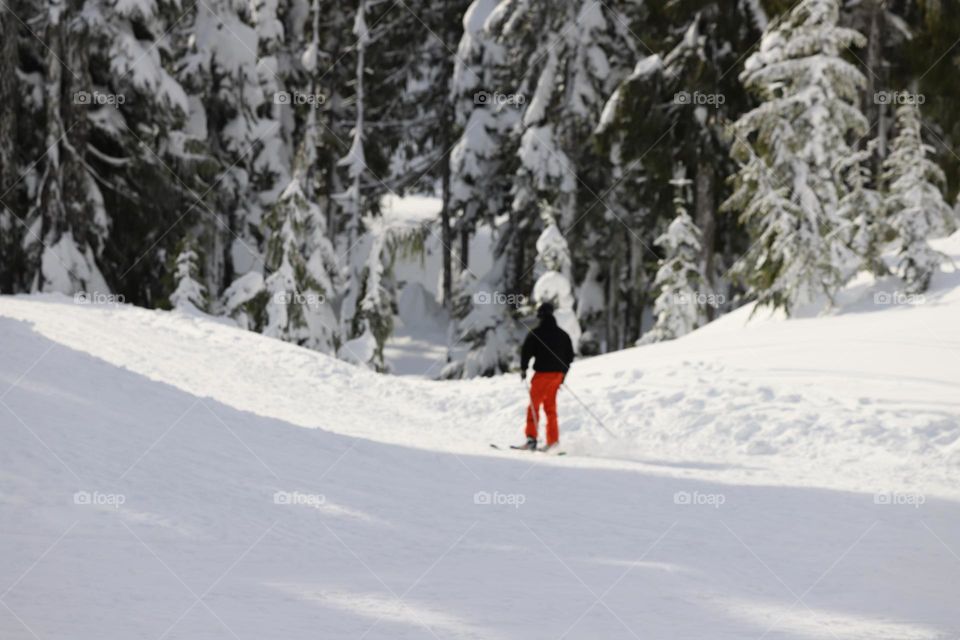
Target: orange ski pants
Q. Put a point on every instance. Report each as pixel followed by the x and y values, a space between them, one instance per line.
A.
pixel 543 392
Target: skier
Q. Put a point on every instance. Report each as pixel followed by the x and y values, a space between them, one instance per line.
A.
pixel 552 352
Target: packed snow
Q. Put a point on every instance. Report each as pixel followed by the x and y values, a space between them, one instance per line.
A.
pixel 165 475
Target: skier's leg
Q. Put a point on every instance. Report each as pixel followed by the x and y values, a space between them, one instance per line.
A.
pixel 550 407
pixel 533 409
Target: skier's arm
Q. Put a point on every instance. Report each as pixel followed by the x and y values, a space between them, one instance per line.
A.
pixel 527 351
pixel 568 356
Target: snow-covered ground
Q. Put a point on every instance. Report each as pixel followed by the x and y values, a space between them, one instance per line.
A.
pixel 763 479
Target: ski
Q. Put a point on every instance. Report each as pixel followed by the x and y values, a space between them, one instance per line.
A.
pixel 513 447
pixel 553 452
pixel 523 448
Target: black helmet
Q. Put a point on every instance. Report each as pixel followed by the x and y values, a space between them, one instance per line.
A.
pixel 545 310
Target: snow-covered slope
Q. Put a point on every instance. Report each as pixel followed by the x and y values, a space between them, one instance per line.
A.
pixel 765 479
pixel 865 396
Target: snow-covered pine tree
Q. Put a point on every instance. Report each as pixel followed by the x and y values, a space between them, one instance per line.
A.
pixel 301 265
pixel 578 57
pixel 613 294
pixel 554 283
pixel 551 66
pixel 480 184
pixel 122 116
pixel 886 33
pixel 136 153
pixel 367 309
pixel 188 295
pixel 862 209
pixel 358 321
pixel 916 210
pixel 245 301
pixel 67 220
pixel 355 159
pixel 477 190
pixel 371 322
pixel 786 190
pixel 320 36
pixel 933 27
pixel 704 96
pixel 486 325
pixel 679 307
pixel 233 139
pixel 673 108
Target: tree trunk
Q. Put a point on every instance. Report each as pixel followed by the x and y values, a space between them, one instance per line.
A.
pixel 8 101
pixel 76 180
pixel 10 227
pixel 876 112
pixel 465 248
pixel 707 222
pixel 446 232
pixel 630 292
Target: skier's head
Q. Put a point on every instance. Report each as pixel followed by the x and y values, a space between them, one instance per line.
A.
pixel 545 312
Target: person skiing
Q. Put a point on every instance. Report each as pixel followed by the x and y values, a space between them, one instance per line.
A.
pixel 552 352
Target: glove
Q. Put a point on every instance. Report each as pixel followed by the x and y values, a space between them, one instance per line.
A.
pixel 523 374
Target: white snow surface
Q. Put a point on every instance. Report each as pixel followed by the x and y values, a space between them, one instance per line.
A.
pixel 764 478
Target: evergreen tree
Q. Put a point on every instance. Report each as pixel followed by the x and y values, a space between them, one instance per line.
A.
pixel 302 265
pixel 360 340
pixel 679 307
pixel 613 292
pixel 674 107
pixel 541 116
pixel 488 326
pixel 485 112
pixel 862 209
pixel 67 224
pixel 886 34
pixel 189 295
pixel 228 68
pixel 915 206
pixel 788 146
pixel 168 122
pixel 554 285
pixel 477 192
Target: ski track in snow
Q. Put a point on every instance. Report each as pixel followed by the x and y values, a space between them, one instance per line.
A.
pixel 783 480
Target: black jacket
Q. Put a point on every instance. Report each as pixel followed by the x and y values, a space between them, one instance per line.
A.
pixel 549 346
